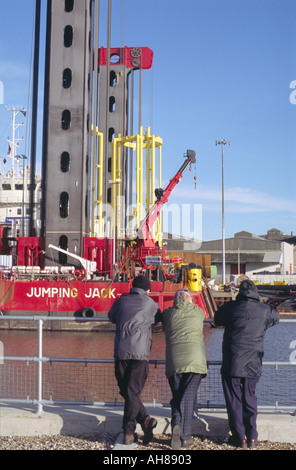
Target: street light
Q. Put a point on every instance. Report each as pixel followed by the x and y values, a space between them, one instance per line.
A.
pixel 223 142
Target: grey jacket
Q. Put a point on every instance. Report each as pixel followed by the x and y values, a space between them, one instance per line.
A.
pixel 133 314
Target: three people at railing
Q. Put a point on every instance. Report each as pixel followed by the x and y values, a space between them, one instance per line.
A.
pixel 245 319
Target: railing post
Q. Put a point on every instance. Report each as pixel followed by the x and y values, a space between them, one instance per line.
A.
pixel 39 391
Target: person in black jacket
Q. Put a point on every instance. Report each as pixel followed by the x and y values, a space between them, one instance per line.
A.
pixel 245 320
pixel 134 315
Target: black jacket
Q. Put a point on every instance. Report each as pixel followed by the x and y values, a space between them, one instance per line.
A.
pixel 246 319
pixel 134 315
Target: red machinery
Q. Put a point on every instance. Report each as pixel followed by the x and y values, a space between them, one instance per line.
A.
pixel 30 288
pixel 131 57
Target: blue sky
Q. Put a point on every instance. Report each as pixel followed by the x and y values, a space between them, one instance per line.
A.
pixel 222 69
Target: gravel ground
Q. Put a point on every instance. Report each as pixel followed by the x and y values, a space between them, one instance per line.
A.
pixel 107 442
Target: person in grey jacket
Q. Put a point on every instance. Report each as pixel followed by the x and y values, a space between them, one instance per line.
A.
pixel 245 320
pixel 134 315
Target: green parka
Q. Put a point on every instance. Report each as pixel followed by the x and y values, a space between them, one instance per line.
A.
pixel 183 327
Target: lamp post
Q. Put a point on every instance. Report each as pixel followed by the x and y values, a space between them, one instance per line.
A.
pixel 222 143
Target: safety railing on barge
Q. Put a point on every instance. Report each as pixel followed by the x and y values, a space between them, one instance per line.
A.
pixel 49 273
pixel 40 380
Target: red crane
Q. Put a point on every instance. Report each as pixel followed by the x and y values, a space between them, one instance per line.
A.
pixel 145 245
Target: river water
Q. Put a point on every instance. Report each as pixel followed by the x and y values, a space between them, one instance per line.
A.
pixel 98 344
pixel 280 345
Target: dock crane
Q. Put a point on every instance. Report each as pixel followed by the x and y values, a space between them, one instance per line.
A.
pixel 145 247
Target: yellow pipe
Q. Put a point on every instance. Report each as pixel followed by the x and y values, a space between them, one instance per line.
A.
pixel 138 143
pixel 153 177
pixel 148 171
pixel 118 185
pixel 159 221
pixel 113 174
pixel 137 180
pixel 98 184
pixel 153 170
pixel 100 188
pixel 141 173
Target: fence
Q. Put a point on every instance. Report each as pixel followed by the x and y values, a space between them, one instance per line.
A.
pixel 43 380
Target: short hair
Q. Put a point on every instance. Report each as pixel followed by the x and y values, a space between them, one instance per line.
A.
pixel 183 294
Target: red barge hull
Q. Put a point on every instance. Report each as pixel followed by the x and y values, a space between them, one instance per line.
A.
pixel 74 299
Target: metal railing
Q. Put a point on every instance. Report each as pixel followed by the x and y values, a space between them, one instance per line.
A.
pixel 92 382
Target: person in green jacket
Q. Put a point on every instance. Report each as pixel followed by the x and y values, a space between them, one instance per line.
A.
pixel 186 362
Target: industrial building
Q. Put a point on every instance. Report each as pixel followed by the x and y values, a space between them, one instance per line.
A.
pixel 268 258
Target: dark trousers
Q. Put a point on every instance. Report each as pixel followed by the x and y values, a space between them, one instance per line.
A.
pixel 131 376
pixel 241 404
pixel 184 389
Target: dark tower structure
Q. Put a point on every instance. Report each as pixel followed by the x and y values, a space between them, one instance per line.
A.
pixel 70 156
pixel 113 110
pixel 116 105
pixel 67 127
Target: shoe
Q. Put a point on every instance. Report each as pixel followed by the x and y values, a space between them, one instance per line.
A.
pixel 243 444
pixel 252 443
pixel 187 442
pixel 129 439
pixel 176 439
pixel 232 441
pixel 147 427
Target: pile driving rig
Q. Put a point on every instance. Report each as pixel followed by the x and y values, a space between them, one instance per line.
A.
pixel 73 267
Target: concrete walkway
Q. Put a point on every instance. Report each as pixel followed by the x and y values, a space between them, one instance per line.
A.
pixel 275 426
